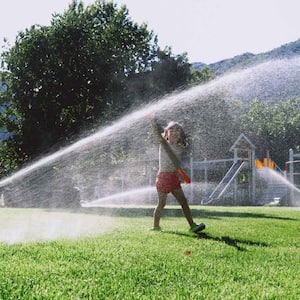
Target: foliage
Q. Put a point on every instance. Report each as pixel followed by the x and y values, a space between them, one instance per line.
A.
pixel 168 72
pixel 274 128
pixel 63 77
pixel 90 66
pixel 9 148
pixel 214 120
pixel 244 253
pixel 207 119
pixel 203 75
pixel 9 159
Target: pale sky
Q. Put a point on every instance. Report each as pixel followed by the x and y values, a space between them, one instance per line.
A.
pixel 208 30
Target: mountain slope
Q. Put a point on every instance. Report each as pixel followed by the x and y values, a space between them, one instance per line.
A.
pixel 271 76
pixel 246 60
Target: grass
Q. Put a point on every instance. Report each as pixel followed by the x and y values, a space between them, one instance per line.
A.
pixel 245 253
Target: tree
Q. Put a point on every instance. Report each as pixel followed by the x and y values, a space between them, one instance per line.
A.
pixel 202 76
pixel 274 128
pixel 215 128
pixel 65 76
pixel 168 72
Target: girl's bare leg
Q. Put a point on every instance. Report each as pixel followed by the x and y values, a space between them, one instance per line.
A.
pixel 162 200
pixel 180 197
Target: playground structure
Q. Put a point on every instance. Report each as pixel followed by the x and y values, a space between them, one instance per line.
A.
pixel 229 181
pixel 292 170
pixel 243 184
pixel 239 173
pixel 239 180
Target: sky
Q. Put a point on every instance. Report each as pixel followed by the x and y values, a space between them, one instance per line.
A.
pixel 207 30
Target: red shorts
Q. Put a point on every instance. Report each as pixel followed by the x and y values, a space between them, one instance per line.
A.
pixel 166 182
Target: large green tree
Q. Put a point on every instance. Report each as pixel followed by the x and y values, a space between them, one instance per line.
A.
pixel 168 72
pixel 65 76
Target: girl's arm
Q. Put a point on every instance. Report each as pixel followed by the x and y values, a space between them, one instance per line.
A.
pixel 169 151
pixel 156 130
pixel 164 143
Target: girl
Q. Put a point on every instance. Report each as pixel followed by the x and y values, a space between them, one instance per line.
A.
pixel 172 142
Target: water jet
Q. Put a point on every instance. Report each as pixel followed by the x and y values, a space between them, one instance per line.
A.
pixel 120 157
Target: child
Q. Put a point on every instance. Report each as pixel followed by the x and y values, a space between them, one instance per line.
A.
pixel 167 180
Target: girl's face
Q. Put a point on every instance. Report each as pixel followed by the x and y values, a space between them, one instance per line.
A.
pixel 173 135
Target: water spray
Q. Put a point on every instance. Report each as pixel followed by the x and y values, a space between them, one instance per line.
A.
pixel 115 158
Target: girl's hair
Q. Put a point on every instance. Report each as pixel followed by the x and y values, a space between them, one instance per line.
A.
pixel 183 139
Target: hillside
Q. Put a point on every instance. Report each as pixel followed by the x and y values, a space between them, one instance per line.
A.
pixel 269 76
pixel 246 60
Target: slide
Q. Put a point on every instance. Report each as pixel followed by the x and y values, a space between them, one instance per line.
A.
pixel 226 181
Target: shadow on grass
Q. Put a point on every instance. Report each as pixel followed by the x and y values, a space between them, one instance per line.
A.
pixel 175 212
pixel 231 242
pixel 224 239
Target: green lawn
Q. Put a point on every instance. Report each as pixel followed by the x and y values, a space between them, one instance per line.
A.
pixel 245 253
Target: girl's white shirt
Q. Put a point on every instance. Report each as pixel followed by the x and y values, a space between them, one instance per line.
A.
pixel 165 163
